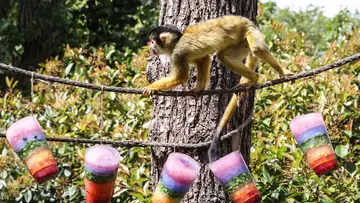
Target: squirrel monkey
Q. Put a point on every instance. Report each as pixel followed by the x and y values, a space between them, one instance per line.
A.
pixel 234 38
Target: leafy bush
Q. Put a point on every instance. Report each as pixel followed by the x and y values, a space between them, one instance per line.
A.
pixel 65 111
pixel 277 163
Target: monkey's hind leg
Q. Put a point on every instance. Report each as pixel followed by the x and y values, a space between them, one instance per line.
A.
pixel 202 73
pixel 251 61
pixel 259 48
pixel 237 66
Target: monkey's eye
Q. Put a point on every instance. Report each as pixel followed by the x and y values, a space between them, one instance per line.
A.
pixel 152 41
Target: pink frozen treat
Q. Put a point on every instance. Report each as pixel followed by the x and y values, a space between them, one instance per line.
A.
pixel 23 131
pixel 301 125
pixel 102 160
pixel 29 142
pixel 312 137
pixel 101 166
pixel 178 174
pixel 232 172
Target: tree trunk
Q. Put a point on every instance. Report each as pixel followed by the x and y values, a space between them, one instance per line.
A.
pixel 39 23
pixel 193 119
pixel 4 8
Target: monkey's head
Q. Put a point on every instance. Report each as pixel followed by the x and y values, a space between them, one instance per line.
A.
pixel 163 39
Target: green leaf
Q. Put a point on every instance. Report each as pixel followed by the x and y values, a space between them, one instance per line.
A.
pixel 8 83
pixel 112 96
pixel 72 190
pixel 109 54
pixel 14 84
pixel 350 167
pixel 330 190
pixel 67 172
pixel 63 119
pixel 266 175
pixel 357 147
pixel 341 151
pixel 2 183
pixel 348 133
pixel 266 121
pixel 28 196
pixel 68 68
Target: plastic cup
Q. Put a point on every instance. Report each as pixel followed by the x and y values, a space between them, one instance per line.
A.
pixel 311 135
pixel 101 166
pixel 232 172
pixel 179 173
pixel 29 142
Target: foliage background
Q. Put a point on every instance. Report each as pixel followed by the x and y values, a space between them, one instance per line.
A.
pixel 102 46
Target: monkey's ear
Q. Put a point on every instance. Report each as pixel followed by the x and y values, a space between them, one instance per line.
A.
pixel 164 36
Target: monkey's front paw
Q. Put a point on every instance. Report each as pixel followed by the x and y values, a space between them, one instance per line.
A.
pixel 148 90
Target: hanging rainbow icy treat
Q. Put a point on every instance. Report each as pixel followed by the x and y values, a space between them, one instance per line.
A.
pixel 232 172
pixel 29 142
pixel 311 135
pixel 101 166
pixel 178 174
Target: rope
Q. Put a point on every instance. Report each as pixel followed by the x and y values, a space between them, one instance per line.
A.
pixel 131 143
pixel 314 102
pixel 101 113
pixel 32 94
pixel 183 93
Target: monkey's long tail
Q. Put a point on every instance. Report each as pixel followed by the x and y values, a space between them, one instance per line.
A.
pixel 214 152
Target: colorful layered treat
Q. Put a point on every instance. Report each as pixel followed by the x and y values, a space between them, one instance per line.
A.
pixel 101 166
pixel 178 174
pixel 311 135
pixel 29 142
pixel 232 172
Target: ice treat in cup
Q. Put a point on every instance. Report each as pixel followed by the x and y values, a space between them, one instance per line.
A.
pixel 29 142
pixel 311 135
pixel 101 166
pixel 178 174
pixel 232 172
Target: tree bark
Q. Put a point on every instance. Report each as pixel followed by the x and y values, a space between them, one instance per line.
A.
pixel 38 22
pixel 193 119
pixel 4 8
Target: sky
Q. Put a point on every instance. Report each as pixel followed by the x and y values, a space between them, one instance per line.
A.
pixel 330 7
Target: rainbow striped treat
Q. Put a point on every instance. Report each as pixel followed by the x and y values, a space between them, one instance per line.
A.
pixel 101 166
pixel 231 171
pixel 178 174
pixel 29 142
pixel 311 135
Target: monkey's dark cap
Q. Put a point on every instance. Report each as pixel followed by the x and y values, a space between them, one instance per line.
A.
pixel 154 33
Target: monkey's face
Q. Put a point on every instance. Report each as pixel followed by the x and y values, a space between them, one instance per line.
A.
pixel 154 48
pixel 163 39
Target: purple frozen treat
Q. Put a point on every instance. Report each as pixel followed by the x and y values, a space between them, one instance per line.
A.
pixel 307 126
pixel 179 172
pixel 232 172
pixel 23 131
pixel 29 142
pixel 228 166
pixel 312 137
pixel 102 160
pixel 181 168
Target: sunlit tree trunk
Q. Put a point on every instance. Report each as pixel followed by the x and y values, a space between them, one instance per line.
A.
pixel 192 119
